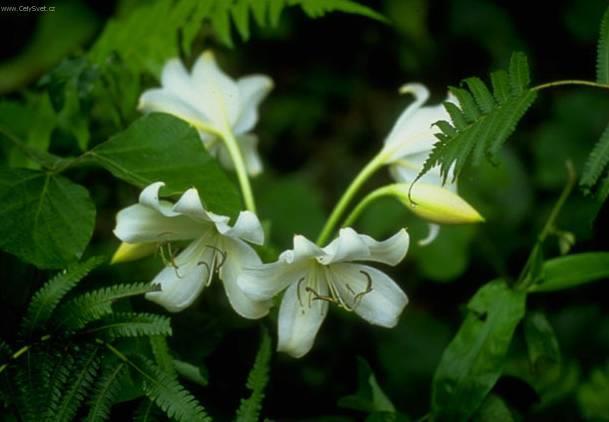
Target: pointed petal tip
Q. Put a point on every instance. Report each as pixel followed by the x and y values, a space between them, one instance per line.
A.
pixel 132 251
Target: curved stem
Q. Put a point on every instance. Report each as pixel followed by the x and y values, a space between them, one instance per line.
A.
pixel 344 201
pixel 240 169
pixel 569 82
pixel 368 199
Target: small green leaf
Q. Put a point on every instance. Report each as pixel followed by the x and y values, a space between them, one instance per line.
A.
pixel 602 63
pixel 542 345
pixel 44 219
pixel 493 409
pixel 592 395
pixel 473 361
pixel 571 271
pixel 369 397
pixel 159 147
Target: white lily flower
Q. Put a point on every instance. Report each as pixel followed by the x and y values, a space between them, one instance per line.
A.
pixel 315 276
pixel 214 104
pixel 406 149
pixel 216 247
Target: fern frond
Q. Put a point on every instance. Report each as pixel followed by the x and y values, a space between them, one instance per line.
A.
pixel 483 121
pixel 602 63
pixel 603 191
pixel 258 378
pixel 45 300
pixel 132 324
pixel 58 382
pixel 105 392
pixel 147 411
pixel 90 306
pixel 596 163
pixel 80 381
pixel 162 355
pixel 167 393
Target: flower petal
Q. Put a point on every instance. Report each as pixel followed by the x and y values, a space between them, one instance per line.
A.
pixel 434 230
pixel 176 80
pixel 371 293
pixel 348 246
pixel 299 323
pixel 219 93
pixel 247 227
pixel 248 143
pixel 262 282
pixel 239 255
pixel 252 90
pixel 133 251
pixel 182 284
pixel 390 251
pixel 304 249
pixel 163 101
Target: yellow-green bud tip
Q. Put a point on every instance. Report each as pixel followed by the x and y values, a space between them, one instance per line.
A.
pixel 132 251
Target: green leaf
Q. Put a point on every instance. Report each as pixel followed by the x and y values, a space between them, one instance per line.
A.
pixel 44 219
pixel 473 361
pixel 160 147
pixel 132 324
pixel 542 345
pixel 493 409
pixel 602 63
pixel 105 392
pixel 91 306
pixel 483 122
pixel 571 271
pixel 45 300
pixel 162 354
pixel 168 394
pixel 191 372
pixel 257 380
pixel 147 411
pixel 596 163
pixel 592 395
pixel 369 396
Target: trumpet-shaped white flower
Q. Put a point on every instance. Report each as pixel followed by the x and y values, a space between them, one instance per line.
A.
pixel 315 276
pixel 214 104
pixel 408 146
pixel 216 247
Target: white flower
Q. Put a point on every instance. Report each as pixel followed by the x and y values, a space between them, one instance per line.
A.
pixel 407 147
pixel 215 247
pixel 213 103
pixel 315 276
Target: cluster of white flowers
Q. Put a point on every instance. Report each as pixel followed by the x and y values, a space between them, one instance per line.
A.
pixel 312 276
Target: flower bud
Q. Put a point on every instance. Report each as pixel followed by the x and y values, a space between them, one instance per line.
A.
pixel 132 251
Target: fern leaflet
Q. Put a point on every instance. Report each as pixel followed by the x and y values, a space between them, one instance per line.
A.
pixel 162 355
pixel 596 163
pixel 602 63
pixel 132 324
pixel 258 378
pixel 147 411
pixel 48 297
pixel 90 306
pixel 168 394
pixel 105 392
pixel 483 120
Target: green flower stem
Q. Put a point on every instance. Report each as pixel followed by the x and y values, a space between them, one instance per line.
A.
pixel 569 82
pixel 368 199
pixel 525 280
pixel 244 181
pixel 377 162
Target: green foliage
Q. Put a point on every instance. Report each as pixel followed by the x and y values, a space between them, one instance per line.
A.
pixel 257 380
pixel 160 147
pixel 369 397
pixel 91 306
pixel 602 63
pixel 45 300
pixel 168 394
pixel 473 361
pixel 493 409
pixel 483 121
pixel 105 391
pixel 132 324
pixel 542 345
pixel 572 270
pixel 592 395
pixel 44 219
pixel 596 164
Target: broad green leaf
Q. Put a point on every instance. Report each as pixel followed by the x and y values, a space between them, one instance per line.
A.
pixel 602 63
pixel 592 395
pixel 542 345
pixel 493 409
pixel 473 361
pixel 160 147
pixel 573 270
pixel 44 219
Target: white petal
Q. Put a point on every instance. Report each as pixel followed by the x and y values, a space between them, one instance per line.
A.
pixel 190 204
pixel 248 144
pixel 390 251
pixel 434 230
pixel 304 249
pixel 219 94
pixel 164 101
pixel 348 246
pixel 182 285
pixel 262 282
pixel 382 305
pixel 252 90
pixel 139 223
pixel 421 94
pixel 247 227
pixel 299 323
pixel 176 80
pixel 239 255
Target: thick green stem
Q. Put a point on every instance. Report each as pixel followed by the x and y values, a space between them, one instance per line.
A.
pixel 345 200
pixel 524 280
pixel 569 82
pixel 240 169
pixel 368 199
